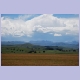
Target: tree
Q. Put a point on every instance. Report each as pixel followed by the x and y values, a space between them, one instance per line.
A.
pixel 43 51
pixel 74 50
pixel 30 51
pixel 34 51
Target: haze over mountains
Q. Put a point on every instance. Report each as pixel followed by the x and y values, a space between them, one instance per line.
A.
pixel 73 44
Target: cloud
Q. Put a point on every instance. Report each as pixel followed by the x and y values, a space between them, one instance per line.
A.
pixel 57 34
pixel 27 25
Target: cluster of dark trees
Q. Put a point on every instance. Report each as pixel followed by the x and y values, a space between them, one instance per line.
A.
pixel 59 49
pixel 13 49
pixel 33 51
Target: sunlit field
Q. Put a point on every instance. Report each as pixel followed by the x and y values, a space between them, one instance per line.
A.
pixel 39 59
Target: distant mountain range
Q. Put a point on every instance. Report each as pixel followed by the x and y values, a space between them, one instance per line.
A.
pixel 73 44
pixel 12 42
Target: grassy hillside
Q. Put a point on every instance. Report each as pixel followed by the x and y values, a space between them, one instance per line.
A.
pixel 29 48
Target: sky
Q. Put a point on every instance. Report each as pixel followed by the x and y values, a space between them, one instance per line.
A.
pixel 33 27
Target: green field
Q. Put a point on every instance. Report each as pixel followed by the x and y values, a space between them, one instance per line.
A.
pixel 37 49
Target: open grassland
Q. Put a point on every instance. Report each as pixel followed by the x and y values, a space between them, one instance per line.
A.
pixel 32 59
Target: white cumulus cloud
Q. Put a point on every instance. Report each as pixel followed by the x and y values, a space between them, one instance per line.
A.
pixel 46 23
pixel 57 34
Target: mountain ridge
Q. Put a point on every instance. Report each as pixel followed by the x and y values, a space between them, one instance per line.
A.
pixel 73 44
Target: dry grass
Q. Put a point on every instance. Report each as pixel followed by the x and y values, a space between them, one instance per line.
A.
pixel 39 59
